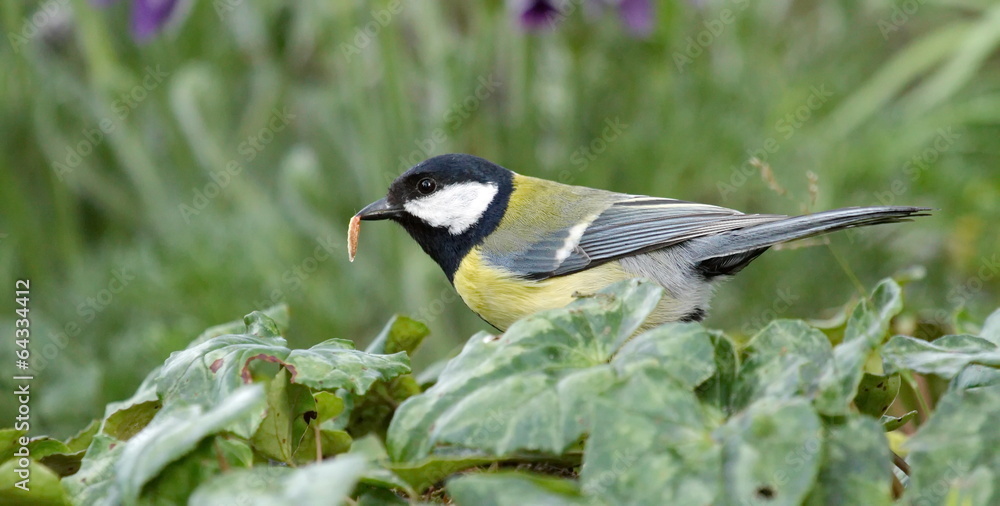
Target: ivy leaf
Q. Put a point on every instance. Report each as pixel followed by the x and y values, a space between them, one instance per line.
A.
pixel 953 457
pixel 336 364
pixel 94 482
pixel 332 442
pixel 684 350
pixel 866 329
pixel 945 356
pixel 784 360
pixel 854 468
pixel 277 436
pixel 876 394
pixel 652 444
pixel 328 406
pixel 771 452
pixel 425 473
pixel 991 328
pixel 718 389
pixel 176 432
pixel 399 334
pixel 125 423
pixel 501 393
pixel 891 423
pixel 278 314
pixel 514 489
pixel 43 486
pixel 328 482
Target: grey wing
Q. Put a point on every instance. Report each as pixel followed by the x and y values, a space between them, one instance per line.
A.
pixel 630 226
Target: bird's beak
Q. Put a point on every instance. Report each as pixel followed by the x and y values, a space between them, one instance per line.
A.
pixel 379 210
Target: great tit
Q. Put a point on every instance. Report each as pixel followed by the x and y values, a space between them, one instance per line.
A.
pixel 512 245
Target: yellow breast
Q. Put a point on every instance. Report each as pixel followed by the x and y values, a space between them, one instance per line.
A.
pixel 501 298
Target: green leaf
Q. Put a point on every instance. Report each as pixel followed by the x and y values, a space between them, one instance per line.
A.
pixel 855 466
pixel 891 423
pixel 174 433
pixel 945 356
pixel 425 473
pixel 9 442
pixel 81 440
pixel 991 328
pixel 328 482
pixel 94 482
pixel 501 393
pixel 373 411
pixel 234 452
pixel 400 334
pixel 278 314
pixel 63 464
pixel 876 394
pixel 784 360
pixel 260 325
pixel 42 485
pixel 684 350
pixel 718 390
pixel 336 364
pixel 208 373
pixel 125 423
pixel 771 453
pixel 275 437
pixel 866 329
pixel 328 405
pixel 652 444
pixel 513 489
pixel 953 457
pixel 130 415
pixel 178 479
pixel 44 446
pixel 332 442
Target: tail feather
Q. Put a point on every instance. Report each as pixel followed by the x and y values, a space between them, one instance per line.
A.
pixel 729 252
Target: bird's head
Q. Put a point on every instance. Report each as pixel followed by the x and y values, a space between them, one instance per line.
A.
pixel 448 204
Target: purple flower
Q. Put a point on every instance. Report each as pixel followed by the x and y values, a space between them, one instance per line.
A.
pixel 148 16
pixel 539 14
pixel 636 15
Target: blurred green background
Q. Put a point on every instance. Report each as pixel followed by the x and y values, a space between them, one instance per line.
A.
pixel 149 190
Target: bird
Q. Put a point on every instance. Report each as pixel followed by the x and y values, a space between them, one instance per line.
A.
pixel 513 245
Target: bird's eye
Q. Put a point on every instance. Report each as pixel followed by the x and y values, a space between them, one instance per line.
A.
pixel 426 185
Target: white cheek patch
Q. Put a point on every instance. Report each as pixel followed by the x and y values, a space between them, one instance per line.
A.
pixel 458 206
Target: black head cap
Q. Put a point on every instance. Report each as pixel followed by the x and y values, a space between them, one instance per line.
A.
pixel 448 204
